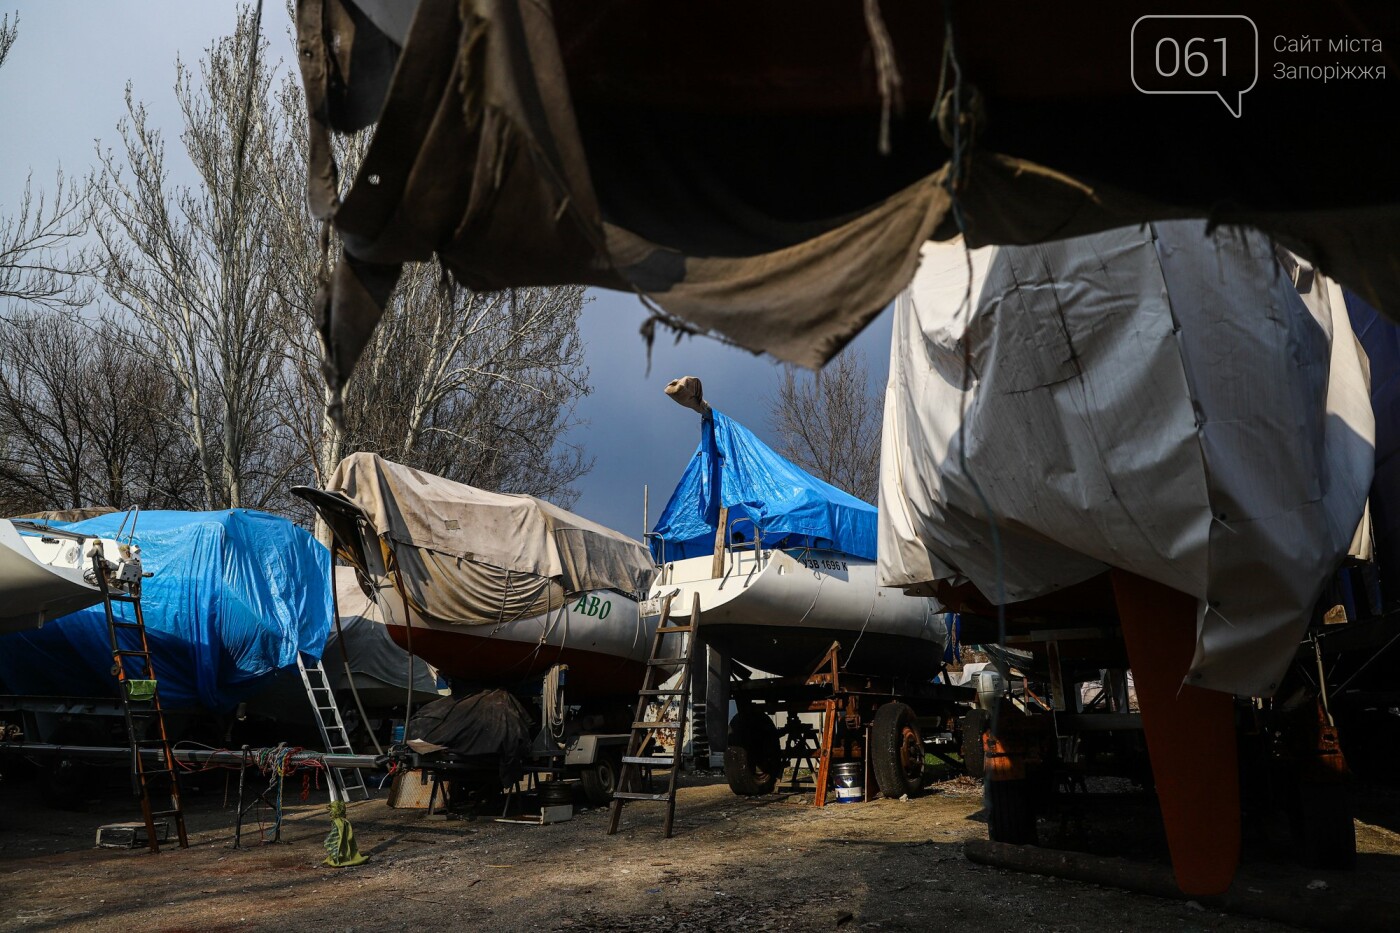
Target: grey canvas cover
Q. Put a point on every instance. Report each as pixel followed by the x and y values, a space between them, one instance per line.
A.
pixel 469 556
pixel 1148 398
pixel 767 171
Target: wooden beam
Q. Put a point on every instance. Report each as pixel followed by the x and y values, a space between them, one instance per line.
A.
pixel 718 570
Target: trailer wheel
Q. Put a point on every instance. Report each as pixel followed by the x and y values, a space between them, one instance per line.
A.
pixel 600 779
pixel 753 758
pixel 1010 812
pixel 973 754
pixel 897 748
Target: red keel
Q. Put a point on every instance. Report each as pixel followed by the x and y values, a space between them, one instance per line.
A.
pixel 1190 735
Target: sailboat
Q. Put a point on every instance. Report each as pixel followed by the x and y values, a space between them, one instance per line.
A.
pixel 782 562
pixel 491 588
pixel 43 573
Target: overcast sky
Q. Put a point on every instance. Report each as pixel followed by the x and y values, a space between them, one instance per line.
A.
pixel 61 89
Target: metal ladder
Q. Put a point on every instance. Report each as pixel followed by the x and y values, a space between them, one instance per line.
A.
pixel 144 707
pixel 334 737
pixel 642 729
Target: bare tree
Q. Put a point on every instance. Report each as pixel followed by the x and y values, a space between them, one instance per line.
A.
pixel 8 33
pixel 828 423
pixel 190 266
pixel 40 255
pixel 218 281
pixel 476 387
pixel 41 259
pixel 480 388
pixel 85 422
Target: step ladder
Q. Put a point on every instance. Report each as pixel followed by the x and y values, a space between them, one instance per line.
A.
pixel 643 730
pixel 334 737
pixel 140 699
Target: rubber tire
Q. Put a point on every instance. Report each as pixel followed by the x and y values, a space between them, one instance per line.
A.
pixel 1324 829
pixel 974 758
pixel 887 740
pixel 1010 812
pixel 600 779
pixel 753 758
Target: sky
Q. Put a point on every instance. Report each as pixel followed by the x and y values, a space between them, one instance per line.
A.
pixel 62 89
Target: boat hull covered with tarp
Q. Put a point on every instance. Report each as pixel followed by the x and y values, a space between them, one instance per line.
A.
pixel 1189 408
pixel 492 589
pixel 378 669
pixel 796 569
pixel 232 597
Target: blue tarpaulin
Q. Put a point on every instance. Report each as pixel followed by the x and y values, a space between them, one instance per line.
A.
pixel 1381 340
pixel 234 596
pixel 791 508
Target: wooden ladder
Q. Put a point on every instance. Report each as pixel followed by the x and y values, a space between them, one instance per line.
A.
pixel 643 730
pixel 140 700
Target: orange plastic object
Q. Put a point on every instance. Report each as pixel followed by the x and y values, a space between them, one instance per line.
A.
pixel 1190 735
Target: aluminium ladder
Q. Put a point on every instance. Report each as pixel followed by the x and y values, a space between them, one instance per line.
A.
pixel 334 737
pixel 643 730
pixel 140 700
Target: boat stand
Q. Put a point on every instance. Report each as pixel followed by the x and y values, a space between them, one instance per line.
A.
pixel 853 728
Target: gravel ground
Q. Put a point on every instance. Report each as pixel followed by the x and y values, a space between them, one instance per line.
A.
pixel 734 864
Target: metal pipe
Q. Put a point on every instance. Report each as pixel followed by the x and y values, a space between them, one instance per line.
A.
pixel 189 755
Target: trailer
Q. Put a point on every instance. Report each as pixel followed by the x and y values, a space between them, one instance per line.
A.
pixel 888 724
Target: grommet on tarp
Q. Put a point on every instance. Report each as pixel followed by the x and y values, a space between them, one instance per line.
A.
pixel 341 850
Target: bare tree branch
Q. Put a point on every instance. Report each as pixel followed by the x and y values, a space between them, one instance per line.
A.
pixel 8 33
pixel 829 424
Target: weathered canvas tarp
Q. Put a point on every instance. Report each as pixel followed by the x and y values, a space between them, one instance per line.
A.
pixel 1146 398
pixel 789 507
pixel 489 726
pixel 725 159
pixel 476 557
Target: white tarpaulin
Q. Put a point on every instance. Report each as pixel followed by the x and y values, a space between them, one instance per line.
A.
pixel 1152 399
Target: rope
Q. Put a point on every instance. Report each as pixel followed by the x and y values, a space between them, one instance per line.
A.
pixel 886 70
pixel 961 142
pixel 555 709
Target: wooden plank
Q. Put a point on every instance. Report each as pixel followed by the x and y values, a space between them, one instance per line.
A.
pixel 717 570
pixel 828 736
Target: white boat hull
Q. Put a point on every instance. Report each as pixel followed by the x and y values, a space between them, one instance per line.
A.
pixel 780 612
pixel 41 578
pixel 600 635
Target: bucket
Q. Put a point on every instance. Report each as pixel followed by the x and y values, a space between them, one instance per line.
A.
pixel 850 782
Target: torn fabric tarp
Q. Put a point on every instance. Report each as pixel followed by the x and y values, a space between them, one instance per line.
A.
pixel 1149 399
pixel 767 173
pixel 789 507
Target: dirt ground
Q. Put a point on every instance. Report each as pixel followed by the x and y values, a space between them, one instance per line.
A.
pixel 734 864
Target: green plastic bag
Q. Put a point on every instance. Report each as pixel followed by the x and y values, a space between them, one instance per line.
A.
pixel 140 691
pixel 341 850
